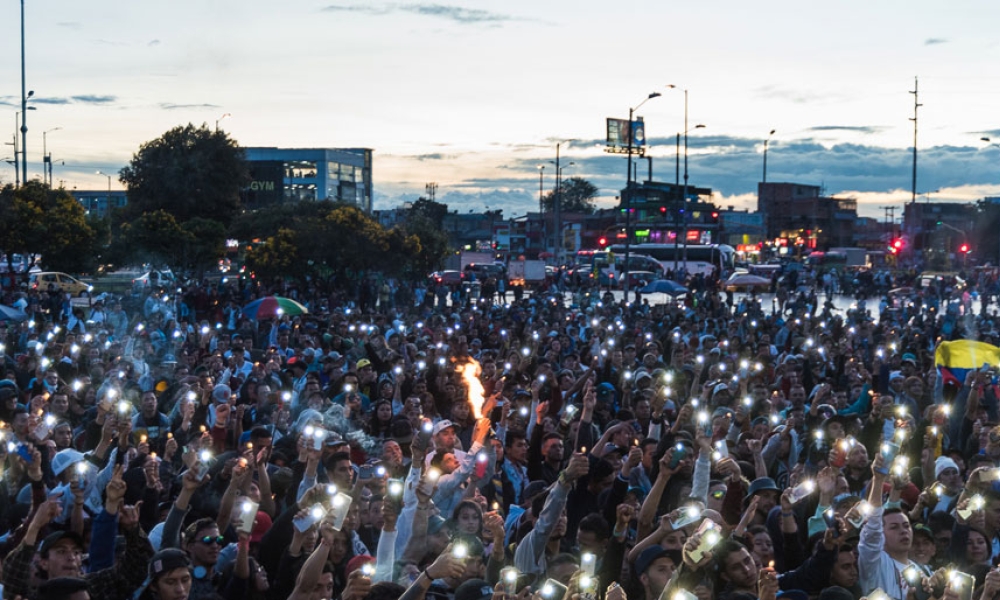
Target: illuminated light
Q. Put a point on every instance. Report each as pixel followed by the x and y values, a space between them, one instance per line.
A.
pixel 316 512
pixel 204 456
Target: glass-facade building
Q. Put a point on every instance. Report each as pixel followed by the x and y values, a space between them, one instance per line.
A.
pixel 292 174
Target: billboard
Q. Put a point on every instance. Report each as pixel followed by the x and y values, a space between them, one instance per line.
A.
pixel 620 131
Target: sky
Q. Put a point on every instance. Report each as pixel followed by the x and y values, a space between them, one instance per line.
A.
pixel 474 96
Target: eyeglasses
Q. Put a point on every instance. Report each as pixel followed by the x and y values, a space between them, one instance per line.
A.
pixel 209 540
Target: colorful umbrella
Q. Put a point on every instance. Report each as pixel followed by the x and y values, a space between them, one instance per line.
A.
pixel 270 307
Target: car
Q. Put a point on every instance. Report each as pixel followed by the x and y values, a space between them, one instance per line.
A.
pixel 448 277
pixel 52 280
pixel 154 279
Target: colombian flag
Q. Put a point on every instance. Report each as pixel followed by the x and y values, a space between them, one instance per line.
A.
pixel 955 359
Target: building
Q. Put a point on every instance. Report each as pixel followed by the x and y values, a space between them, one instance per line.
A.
pixel 660 215
pixel 96 202
pixel 935 231
pixel 294 174
pixel 742 229
pixel 802 216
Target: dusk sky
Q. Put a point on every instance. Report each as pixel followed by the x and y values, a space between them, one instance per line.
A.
pixel 475 95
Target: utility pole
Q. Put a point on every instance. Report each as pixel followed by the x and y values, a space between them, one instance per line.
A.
pixel 890 218
pixel 431 190
pixel 916 105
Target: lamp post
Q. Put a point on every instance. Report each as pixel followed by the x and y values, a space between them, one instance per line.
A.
pixel 684 212
pixel 766 140
pixel 557 206
pixel 46 159
pixel 110 207
pixel 222 118
pixel 24 107
pixel 627 200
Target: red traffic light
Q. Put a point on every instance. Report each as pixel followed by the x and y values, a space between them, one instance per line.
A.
pixel 602 242
pixel 964 248
pixel 896 246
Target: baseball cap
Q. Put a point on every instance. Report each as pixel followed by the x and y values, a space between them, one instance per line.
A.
pixel 652 554
pixel 362 363
pixel 64 459
pixel 720 387
pixel 167 560
pixel 54 538
pixel 441 426
pixel 261 525
pixel 474 589
pixel 221 393
pixel 357 562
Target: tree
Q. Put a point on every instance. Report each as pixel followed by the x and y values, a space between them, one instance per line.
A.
pixel 36 220
pixel 577 196
pixel 435 212
pixel 154 237
pixel 277 256
pixel 189 172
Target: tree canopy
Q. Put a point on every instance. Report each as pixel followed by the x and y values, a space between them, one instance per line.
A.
pixel 37 220
pixel 577 196
pixel 189 172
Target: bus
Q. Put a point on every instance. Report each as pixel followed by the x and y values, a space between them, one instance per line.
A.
pixel 700 258
pixel 597 263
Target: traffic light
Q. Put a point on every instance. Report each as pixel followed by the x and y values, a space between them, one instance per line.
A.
pixel 964 249
pixel 602 242
pixel 896 246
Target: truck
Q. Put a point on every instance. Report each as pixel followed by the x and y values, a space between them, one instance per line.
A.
pixel 459 262
pixel 526 272
pixel 855 257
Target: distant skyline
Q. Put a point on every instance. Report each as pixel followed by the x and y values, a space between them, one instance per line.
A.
pixel 475 95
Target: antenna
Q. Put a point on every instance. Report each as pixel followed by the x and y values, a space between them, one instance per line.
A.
pixel 431 190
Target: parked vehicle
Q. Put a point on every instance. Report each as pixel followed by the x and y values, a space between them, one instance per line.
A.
pixel 52 280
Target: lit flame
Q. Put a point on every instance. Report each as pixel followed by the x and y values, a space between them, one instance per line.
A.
pixel 477 394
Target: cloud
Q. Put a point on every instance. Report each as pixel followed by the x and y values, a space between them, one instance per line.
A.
pixel 153 43
pixel 854 128
pixel 54 100
pixel 172 106
pixel 70 24
pixel 457 14
pixel 94 99
pixel 794 96
pixel 935 41
pixel 9 101
pixel 433 156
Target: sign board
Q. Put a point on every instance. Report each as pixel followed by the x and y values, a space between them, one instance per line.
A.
pixel 620 132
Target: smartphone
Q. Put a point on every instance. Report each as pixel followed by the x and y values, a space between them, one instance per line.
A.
pixel 913 577
pixel 24 451
pixel 429 481
pixel 677 595
pixel 44 427
pixel 680 453
pixel 509 578
pixel 709 539
pixel 803 490
pixel 688 515
pixel 857 515
pixel 366 471
pixel 889 452
pixel 830 518
pixel 962 583
pixel 246 516
pixel 341 503
pixel 878 594
pixel 568 413
pixel 721 451
pixel 481 463
pixel 423 439
pixel 394 493
pixel 202 465
pixel 552 590
pixel 588 563
pixel 316 514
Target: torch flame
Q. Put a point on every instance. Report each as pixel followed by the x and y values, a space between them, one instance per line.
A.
pixel 477 394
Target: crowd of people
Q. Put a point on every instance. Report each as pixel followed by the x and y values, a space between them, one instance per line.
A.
pixel 568 446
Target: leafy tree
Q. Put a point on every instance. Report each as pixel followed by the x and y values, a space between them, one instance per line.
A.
pixel 433 245
pixel 154 237
pixel 189 172
pixel 37 220
pixel 207 244
pixel 577 196
pixel 433 211
pixel 277 256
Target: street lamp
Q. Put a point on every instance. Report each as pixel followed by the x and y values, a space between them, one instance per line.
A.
pixel 222 118
pixel 628 189
pixel 24 107
pixel 46 159
pixel 766 140
pixel 557 197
